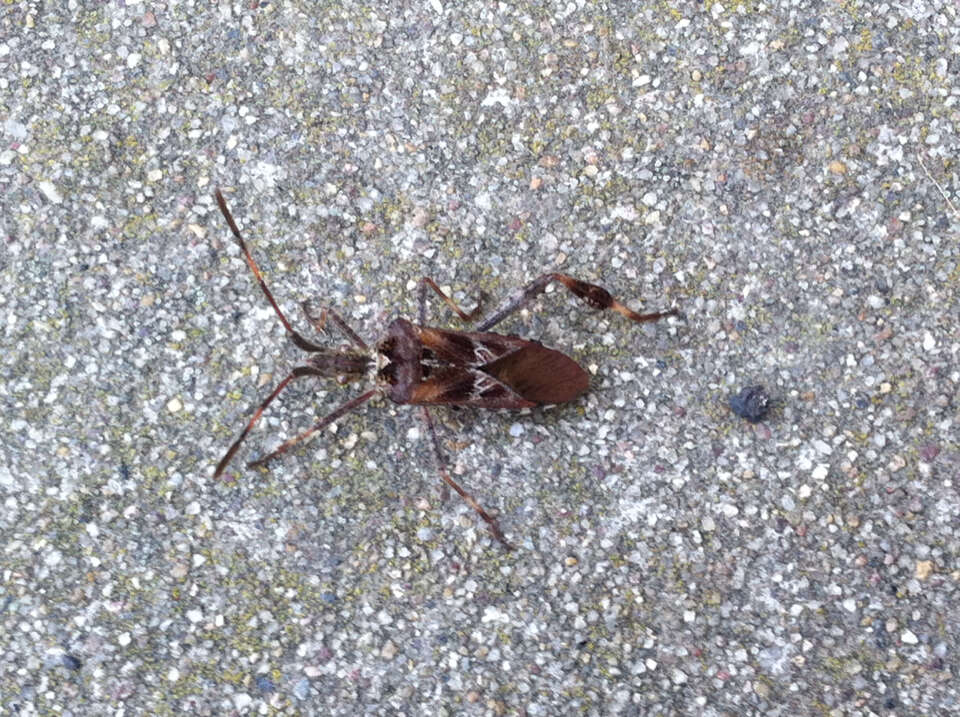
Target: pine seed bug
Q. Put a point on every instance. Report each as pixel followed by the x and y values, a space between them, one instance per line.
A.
pixel 428 366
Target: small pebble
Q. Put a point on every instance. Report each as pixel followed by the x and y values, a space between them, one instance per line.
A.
pixel 752 403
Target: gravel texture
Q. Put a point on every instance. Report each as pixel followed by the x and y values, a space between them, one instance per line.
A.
pixel 785 174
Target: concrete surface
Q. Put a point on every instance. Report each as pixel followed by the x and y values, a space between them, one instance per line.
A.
pixel 784 173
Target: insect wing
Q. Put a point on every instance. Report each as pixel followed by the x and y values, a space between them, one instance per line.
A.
pixel 464 348
pixel 495 371
pixel 539 374
pixel 455 385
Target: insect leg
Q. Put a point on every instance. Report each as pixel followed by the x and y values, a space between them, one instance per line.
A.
pixel 595 296
pixel 442 468
pixel 422 299
pixel 296 373
pixel 295 335
pixel 319 425
pixel 320 322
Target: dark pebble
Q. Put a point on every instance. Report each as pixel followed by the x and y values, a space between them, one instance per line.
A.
pixel 751 403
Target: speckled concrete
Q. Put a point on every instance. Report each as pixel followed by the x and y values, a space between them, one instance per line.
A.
pixel 786 174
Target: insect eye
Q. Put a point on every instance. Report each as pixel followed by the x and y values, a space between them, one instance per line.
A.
pixel 387 346
pixel 388 373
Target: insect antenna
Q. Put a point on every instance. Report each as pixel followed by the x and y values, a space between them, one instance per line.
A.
pixel 296 373
pixel 319 425
pixel 295 335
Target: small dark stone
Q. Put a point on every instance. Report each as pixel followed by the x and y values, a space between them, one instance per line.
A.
pixel 752 403
pixel 71 662
pixel 265 684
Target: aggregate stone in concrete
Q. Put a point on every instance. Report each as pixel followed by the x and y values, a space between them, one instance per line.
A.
pixel 783 174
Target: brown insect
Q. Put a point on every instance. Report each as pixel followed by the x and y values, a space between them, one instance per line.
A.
pixel 428 366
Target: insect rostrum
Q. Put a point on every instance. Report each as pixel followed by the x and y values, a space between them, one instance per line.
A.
pixel 428 366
